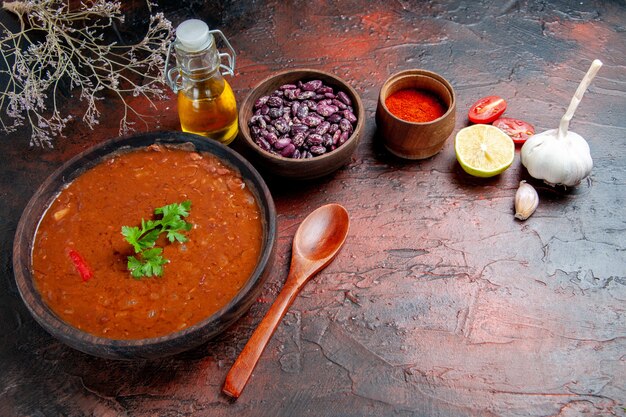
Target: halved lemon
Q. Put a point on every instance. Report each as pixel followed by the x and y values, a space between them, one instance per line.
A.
pixel 484 150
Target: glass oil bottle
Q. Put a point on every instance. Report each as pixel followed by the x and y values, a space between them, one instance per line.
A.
pixel 206 102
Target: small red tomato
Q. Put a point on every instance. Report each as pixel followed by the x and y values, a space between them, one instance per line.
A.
pixel 487 109
pixel 518 130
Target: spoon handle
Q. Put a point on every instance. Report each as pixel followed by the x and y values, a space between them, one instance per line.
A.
pixel 244 365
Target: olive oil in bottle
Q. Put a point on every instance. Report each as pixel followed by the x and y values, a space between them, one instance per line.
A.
pixel 209 109
pixel 206 102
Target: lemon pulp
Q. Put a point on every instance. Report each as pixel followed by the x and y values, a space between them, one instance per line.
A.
pixel 484 150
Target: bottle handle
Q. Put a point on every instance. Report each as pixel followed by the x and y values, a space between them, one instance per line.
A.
pixel 230 68
pixel 172 75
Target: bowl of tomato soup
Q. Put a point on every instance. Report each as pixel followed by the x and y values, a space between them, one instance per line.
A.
pixel 145 246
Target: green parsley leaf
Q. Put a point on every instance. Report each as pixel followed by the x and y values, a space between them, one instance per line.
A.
pixel 176 209
pixel 143 240
pixel 132 235
pixel 134 266
pixel 149 239
pixel 151 264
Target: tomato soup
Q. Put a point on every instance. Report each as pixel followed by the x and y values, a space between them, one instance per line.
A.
pixel 203 274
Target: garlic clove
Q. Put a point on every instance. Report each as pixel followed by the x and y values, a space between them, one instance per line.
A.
pixel 526 201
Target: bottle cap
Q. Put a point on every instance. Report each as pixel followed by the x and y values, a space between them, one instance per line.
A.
pixel 193 35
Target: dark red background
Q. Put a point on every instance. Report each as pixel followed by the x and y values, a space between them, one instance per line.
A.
pixel 440 303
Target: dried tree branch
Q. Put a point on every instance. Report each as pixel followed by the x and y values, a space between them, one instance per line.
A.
pixel 74 50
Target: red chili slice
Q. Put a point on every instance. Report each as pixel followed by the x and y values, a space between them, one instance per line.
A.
pixel 81 265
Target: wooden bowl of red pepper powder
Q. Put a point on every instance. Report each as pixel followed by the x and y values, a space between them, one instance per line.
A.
pixel 415 113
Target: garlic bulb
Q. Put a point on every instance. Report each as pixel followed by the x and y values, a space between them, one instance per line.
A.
pixel 559 156
pixel 526 201
pixel 557 161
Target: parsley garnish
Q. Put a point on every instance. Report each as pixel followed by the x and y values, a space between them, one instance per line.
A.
pixel 150 262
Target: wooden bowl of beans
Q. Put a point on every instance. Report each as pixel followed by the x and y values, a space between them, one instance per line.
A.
pixel 301 124
pixel 145 246
pixel 415 114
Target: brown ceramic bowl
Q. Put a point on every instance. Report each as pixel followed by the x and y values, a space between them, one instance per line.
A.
pixel 412 140
pixel 300 169
pixel 153 347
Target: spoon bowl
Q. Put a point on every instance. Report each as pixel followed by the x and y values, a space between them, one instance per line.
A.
pixel 316 242
pixel 320 235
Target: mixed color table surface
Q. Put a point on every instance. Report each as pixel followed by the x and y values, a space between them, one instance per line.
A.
pixel 440 304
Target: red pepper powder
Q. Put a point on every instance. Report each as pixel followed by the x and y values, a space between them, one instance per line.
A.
pixel 415 105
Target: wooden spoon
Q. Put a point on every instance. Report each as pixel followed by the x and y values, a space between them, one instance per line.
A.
pixel 315 244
